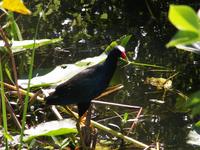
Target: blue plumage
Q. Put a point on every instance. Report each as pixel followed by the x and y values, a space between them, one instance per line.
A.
pixel 87 84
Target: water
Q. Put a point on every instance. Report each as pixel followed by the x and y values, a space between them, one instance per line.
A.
pixel 86 32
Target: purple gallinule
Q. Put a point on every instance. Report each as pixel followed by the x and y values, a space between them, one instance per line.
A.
pixel 87 84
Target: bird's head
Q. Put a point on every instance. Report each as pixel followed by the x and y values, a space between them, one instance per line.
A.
pixel 122 50
pixel 119 51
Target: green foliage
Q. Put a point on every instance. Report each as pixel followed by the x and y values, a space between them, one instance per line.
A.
pixel 51 128
pixel 125 118
pixel 19 46
pixel 122 41
pixel 194 103
pixel 104 16
pixel 187 22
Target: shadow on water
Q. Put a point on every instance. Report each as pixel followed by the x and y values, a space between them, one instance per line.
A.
pixel 88 27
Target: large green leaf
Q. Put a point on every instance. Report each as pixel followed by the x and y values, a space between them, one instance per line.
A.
pixel 18 46
pixel 183 37
pixel 184 18
pixel 61 73
pixel 52 128
pixel 64 72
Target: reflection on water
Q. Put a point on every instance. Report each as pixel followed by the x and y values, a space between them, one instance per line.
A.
pixel 88 27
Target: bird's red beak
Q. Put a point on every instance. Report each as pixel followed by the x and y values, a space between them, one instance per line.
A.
pixel 123 55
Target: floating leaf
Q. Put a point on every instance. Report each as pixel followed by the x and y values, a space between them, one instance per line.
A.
pixel 193 137
pixel 159 83
pixel 64 72
pixel 19 46
pixel 16 6
pixel 61 73
pixel 52 128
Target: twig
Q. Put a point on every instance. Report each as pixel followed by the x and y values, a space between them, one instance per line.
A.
pixel 56 112
pixel 7 45
pixel 134 123
pixel 149 9
pixel 115 104
pixel 12 112
pixel 110 90
pixel 23 92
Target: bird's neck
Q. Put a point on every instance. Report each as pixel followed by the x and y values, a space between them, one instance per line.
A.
pixel 111 64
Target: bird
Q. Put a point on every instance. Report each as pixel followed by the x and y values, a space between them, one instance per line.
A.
pixel 87 84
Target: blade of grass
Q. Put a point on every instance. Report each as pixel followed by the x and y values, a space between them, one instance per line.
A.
pixel 28 89
pixel 3 106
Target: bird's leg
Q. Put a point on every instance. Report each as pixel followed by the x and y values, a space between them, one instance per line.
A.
pixel 79 128
pixel 85 138
pixel 87 133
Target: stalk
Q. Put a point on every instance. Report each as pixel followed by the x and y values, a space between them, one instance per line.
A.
pixel 28 89
pixel 3 106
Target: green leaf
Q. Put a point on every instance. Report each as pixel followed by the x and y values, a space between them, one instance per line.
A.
pixel 19 46
pixel 111 46
pixel 104 16
pixel 183 37
pixel 52 128
pixel 8 136
pixel 125 118
pixel 124 40
pixel 194 99
pixel 15 31
pixel 64 72
pixel 194 103
pixel 193 137
pixel 184 18
pixel 7 69
pixel 197 124
pixel 61 73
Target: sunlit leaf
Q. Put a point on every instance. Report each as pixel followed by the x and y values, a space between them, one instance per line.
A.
pixel 184 37
pixel 61 73
pixel 111 46
pixel 52 128
pixel 125 118
pixel 18 46
pixel 159 83
pixel 8 136
pixel 193 137
pixel 16 6
pixel 194 47
pixel 124 40
pixel 184 18
pixel 64 72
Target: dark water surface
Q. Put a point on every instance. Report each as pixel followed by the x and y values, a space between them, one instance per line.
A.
pixel 87 27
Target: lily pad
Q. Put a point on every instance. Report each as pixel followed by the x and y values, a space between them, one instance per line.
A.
pixel 52 128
